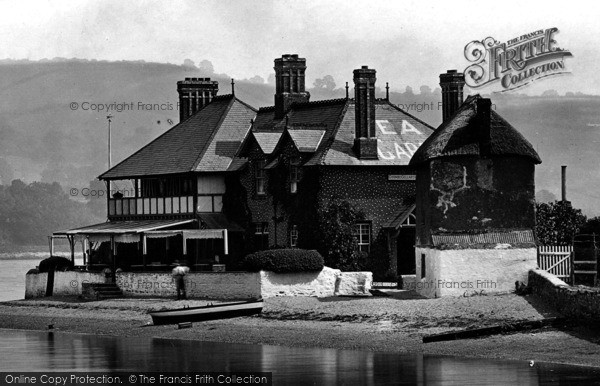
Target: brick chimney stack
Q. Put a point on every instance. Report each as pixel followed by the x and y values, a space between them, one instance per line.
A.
pixel 365 138
pixel 289 83
pixel 194 94
pixel 452 83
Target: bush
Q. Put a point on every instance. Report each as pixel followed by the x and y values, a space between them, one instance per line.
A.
pixel 284 261
pixel 55 263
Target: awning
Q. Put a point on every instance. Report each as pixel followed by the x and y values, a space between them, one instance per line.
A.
pixel 196 234
pixel 123 227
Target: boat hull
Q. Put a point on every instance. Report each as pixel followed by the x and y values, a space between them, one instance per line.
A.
pixel 204 313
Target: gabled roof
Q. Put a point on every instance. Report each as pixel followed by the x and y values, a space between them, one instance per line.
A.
pixel 326 129
pixel 459 135
pixel 207 141
pixel 267 141
pixel 306 140
pixel 399 135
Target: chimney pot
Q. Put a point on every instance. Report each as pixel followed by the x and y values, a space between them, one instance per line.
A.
pixel 563 183
pixel 194 94
pixel 452 83
pixel 289 83
pixel 365 138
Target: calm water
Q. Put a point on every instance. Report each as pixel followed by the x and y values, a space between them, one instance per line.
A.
pixel 41 351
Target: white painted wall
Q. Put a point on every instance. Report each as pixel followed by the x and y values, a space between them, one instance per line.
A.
pixel 467 271
pixel 35 285
pixel 354 284
pixel 319 284
pixel 69 282
pixel 65 283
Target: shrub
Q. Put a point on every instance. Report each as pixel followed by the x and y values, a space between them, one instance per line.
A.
pixel 284 261
pixel 55 263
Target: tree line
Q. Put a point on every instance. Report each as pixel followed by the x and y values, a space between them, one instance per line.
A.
pixel 31 212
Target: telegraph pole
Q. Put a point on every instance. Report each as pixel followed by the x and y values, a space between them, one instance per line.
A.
pixel 109 117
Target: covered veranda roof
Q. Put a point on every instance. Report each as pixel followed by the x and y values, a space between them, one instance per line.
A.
pixel 122 227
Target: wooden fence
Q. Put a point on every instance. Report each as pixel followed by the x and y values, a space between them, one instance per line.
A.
pixel 556 260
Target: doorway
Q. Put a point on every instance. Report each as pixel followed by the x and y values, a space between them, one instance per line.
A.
pixel 405 245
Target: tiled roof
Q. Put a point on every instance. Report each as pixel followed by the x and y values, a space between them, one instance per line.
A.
pixel 399 134
pixel 459 136
pixel 207 141
pixel 238 163
pixel 218 221
pixel 499 237
pixel 306 140
pixel 402 212
pixel 267 141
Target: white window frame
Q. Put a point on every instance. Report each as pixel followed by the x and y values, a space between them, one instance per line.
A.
pixel 261 177
pixel 294 236
pixel 294 176
pixel 362 232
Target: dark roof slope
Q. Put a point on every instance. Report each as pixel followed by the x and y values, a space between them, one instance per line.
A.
pixel 399 133
pixel 459 136
pixel 207 141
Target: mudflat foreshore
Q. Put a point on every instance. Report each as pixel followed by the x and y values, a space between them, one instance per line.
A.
pixel 395 323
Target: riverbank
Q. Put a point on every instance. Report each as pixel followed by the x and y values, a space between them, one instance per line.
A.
pixel 391 324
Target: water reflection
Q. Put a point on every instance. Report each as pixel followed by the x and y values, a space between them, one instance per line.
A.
pixel 38 351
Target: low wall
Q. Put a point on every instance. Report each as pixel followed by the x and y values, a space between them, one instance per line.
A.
pixel 217 285
pixel 35 285
pixel 458 272
pixel 319 284
pixel 354 284
pixel 65 283
pixel 212 285
pixel 70 282
pixel 574 302
pixel 327 282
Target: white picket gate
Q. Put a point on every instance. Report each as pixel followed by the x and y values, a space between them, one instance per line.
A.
pixel 556 259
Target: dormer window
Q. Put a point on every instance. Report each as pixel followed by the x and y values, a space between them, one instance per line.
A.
pixel 261 177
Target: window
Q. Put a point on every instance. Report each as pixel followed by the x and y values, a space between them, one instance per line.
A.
pixel 294 236
pixel 362 232
pixel 260 177
pixel 294 176
pixel 261 235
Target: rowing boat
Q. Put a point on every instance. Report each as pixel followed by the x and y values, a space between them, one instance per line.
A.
pixel 207 312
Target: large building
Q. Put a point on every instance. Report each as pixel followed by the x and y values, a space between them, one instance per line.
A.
pixel 475 200
pixel 303 155
pixel 229 179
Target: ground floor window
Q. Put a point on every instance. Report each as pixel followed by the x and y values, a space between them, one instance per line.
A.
pixel 294 236
pixel 362 232
pixel 261 235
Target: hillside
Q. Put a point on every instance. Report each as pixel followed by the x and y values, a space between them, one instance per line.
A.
pixel 44 138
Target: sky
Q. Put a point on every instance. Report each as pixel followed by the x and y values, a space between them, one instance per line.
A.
pixel 409 43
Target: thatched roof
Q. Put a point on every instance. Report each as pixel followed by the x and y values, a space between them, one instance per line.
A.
pixel 463 133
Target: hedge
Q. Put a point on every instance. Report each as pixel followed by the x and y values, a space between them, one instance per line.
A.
pixel 284 261
pixel 55 263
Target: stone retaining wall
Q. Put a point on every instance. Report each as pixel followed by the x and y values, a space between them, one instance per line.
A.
pixel 575 302
pixel 65 283
pixel 210 285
